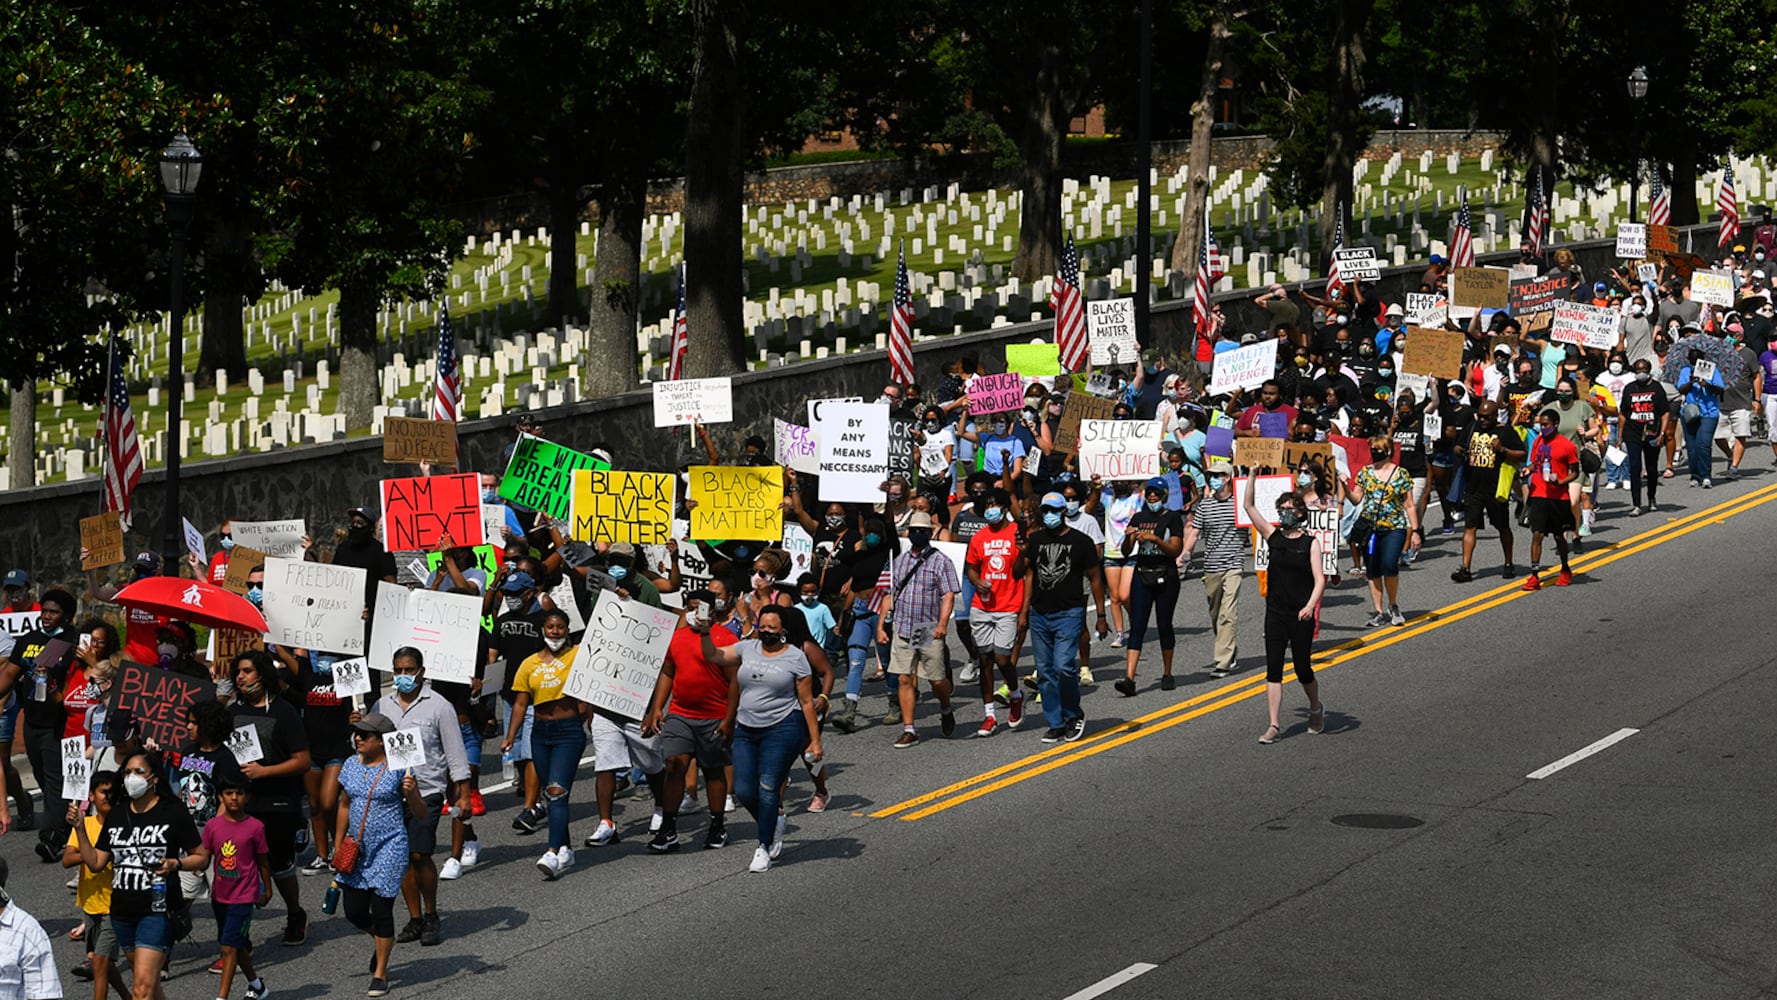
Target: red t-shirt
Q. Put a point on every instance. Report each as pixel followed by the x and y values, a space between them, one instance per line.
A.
pixel 700 688
pixel 75 702
pixel 219 567
pixel 1271 423
pixel 992 551
pixel 1551 461
pixel 139 637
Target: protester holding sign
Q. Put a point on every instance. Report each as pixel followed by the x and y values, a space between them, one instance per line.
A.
pixel 277 776
pixel 371 801
pixel 1152 544
pixel 38 672
pixel 1387 525
pixel 558 737
pixel 326 720
pixel 1292 603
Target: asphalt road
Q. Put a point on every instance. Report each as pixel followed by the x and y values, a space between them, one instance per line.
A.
pixel 1171 855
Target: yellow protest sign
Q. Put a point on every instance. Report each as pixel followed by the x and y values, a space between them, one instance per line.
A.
pixel 737 501
pixel 611 506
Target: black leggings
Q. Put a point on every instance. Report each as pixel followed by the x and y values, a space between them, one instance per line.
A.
pixel 1286 630
pixel 1162 598
pixel 1644 454
pixel 368 911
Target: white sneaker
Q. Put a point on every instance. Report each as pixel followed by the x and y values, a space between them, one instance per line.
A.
pixel 656 822
pixel 549 866
pixel 777 847
pixel 564 859
pixel 471 853
pixel 451 870
pixel 728 805
pixel 605 834
pixel 761 860
pixel 688 804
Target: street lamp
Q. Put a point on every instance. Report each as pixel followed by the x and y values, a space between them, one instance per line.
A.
pixel 1637 93
pixel 180 166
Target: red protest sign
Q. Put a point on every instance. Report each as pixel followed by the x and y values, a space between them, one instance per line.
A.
pixel 996 393
pixel 418 512
pixel 159 700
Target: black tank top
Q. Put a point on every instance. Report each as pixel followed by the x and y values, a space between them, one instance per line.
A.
pixel 1292 577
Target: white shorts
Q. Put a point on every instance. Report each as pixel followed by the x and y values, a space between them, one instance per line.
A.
pixel 1771 413
pixel 995 631
pixel 1734 424
pixel 615 744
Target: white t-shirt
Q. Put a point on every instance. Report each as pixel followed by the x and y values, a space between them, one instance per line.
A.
pixel 932 463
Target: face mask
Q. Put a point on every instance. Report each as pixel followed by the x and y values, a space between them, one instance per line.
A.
pixel 741 551
pixel 994 515
pixel 93 691
pixel 1644 376
pixel 872 540
pixel 1385 373
pixel 932 426
pixel 722 604
pixel 224 688
pixel 323 664
pixel 407 683
pixel 810 600
pixel 1150 369
pixel 227 543
pixel 919 538
pixel 1304 480
pixel 1122 415
pixel 257 596
pixel 1288 519
pixel 1052 519
pixel 1547 432
pixel 619 572
pixel 1616 368
pixel 136 785
pixel 1636 311
pixel 999 427
pixel 1301 362
pixel 760 580
pixel 771 640
pixel 1073 508
pixel 555 645
pixel 490 496
pixel 167 652
pixel 1564 397
pixel 835 520
pixel 514 602
pixel 359 531
pixel 1217 482
pixel 252 691
pixel 1366 351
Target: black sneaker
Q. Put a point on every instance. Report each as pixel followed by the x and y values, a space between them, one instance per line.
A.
pixel 947 724
pixel 717 837
pixel 1462 576
pixel 296 927
pixel 664 840
pixel 409 933
pixel 1075 730
pixel 1054 735
pixel 46 854
pixel 25 821
pixel 1511 571
pixel 529 820
pixel 84 971
pixel 1125 687
pixel 1167 683
pixel 379 987
pixel 429 931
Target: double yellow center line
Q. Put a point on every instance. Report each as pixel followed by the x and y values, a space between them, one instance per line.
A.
pixel 1221 697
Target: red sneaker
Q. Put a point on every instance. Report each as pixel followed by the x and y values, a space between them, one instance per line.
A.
pixel 476 806
pixel 1534 583
pixel 446 810
pixel 1015 711
pixel 989 726
pixel 1565 579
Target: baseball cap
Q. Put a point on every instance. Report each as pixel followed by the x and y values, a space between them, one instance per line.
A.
pixel 1758 274
pixel 1502 349
pixel 621 550
pixel 374 722
pixel 16 578
pixel 1054 499
pixel 920 519
pixel 148 560
pixel 1250 338
pixel 1157 484
pixel 1396 310
pixel 1437 258
pixel 519 581
pixel 1221 466
pixel 364 512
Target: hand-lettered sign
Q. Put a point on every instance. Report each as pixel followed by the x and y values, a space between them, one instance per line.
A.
pixel 418 512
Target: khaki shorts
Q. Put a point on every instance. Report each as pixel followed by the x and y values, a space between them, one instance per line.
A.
pixel 916 652
pixel 995 631
pixel 1733 424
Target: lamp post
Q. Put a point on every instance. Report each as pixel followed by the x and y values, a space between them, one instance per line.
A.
pixel 180 166
pixel 1637 93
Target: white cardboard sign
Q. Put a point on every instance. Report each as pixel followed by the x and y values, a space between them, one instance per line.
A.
pixel 351 677
pixel 1110 329
pixel 1119 449
pixel 311 605
pixel 274 538
pixel 443 627
pixel 620 657
pixel 244 744
pixel 1631 240
pixel 1712 287
pixel 406 749
pixel 854 451
pixel 704 400
pixel 1243 368
pixel 76 769
pixel 1585 324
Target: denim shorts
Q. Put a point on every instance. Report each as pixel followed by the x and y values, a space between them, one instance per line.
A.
pixel 234 924
pixel 153 931
pixel 471 743
pixel 9 717
pixel 323 763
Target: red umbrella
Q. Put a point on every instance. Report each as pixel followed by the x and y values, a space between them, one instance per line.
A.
pixel 192 601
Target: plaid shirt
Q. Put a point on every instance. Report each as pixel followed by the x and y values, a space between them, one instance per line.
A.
pixel 918 584
pixel 27 964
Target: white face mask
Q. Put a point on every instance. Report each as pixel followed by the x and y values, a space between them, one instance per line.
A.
pixel 1616 368
pixel 135 785
pixel 555 645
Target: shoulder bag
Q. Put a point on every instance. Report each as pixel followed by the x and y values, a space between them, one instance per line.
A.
pixel 345 853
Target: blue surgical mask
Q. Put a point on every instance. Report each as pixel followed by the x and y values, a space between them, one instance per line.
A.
pixel 1156 506
pixel 1304 479
pixel 490 496
pixel 1073 508
pixel 872 539
pixel 619 572
pixel 1217 482
pixel 257 596
pixel 1051 519
pixel 994 515
pixel 407 683
pixel 323 663
pixel 227 543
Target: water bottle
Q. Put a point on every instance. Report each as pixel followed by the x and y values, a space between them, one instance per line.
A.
pixel 40 685
pixel 158 900
pixel 507 770
pixel 330 902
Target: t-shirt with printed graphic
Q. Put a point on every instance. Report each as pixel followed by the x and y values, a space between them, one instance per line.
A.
pixel 542 678
pixel 235 850
pixel 1552 460
pixel 1486 452
pixel 138 842
pixel 1154 563
pixel 198 776
pixel 1643 405
pixel 1059 564
pixel 992 552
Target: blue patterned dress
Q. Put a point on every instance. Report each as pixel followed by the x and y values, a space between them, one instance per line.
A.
pixel 382 850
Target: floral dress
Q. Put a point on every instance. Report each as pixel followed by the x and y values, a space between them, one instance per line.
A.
pixel 382 848
pixel 1385 503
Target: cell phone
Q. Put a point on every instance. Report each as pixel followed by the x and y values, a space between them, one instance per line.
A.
pixel 86 640
pixel 700 614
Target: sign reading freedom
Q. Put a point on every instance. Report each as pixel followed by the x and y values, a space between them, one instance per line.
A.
pixel 541 476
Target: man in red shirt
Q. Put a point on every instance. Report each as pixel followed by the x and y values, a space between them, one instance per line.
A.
pixel 994 565
pixel 693 728
pixel 1270 417
pixel 1554 462
pixel 139 645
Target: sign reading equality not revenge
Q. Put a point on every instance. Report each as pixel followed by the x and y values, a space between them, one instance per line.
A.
pixel 612 506
pixel 737 501
pixel 1243 368
pixel 619 659
pixel 541 476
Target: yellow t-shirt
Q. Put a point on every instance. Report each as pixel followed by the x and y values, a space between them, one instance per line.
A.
pixel 94 894
pixel 542 680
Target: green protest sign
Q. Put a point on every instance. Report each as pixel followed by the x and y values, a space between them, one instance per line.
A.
pixel 541 475
pixel 487 559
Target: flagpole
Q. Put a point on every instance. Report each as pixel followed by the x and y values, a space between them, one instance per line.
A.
pixel 1144 255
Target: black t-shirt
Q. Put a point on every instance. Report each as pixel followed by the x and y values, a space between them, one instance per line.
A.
pixel 1059 563
pixel 199 774
pixel 46 714
pixel 1409 434
pixel 1155 565
pixel 1485 447
pixel 369 556
pixel 281 736
pixel 1457 418
pixel 1291 580
pixel 1642 405
pixel 326 717
pixel 518 636
pixel 138 842
pixel 865 567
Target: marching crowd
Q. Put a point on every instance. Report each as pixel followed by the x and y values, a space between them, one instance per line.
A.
pixel 992 542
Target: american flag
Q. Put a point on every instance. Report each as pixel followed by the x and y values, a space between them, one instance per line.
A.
pixel 1070 311
pixel 123 451
pixel 1200 297
pixel 1216 261
pixel 900 339
pixel 1462 242
pixel 681 343
pixel 447 395
pixel 1729 207
pixel 1334 280
pixel 1659 207
pixel 883 584
pixel 1539 216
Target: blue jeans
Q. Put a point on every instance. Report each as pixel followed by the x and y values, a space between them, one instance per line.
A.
pixel 1385 553
pixel 762 761
pixel 1699 447
pixel 556 746
pixel 857 647
pixel 471 743
pixel 1616 472
pixel 1055 643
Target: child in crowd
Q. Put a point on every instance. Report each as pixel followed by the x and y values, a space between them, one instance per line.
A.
pixel 241 881
pixel 94 893
pixel 821 623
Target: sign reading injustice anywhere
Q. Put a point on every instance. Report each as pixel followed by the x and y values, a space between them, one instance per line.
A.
pixel 311 605
pixel 418 512
pixel 737 501
pixel 620 656
pixel 541 476
pixel 634 507
pixel 693 400
pixel 159 699
pixel 411 439
pixel 1110 329
pixel 1527 296
pixel 1120 449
